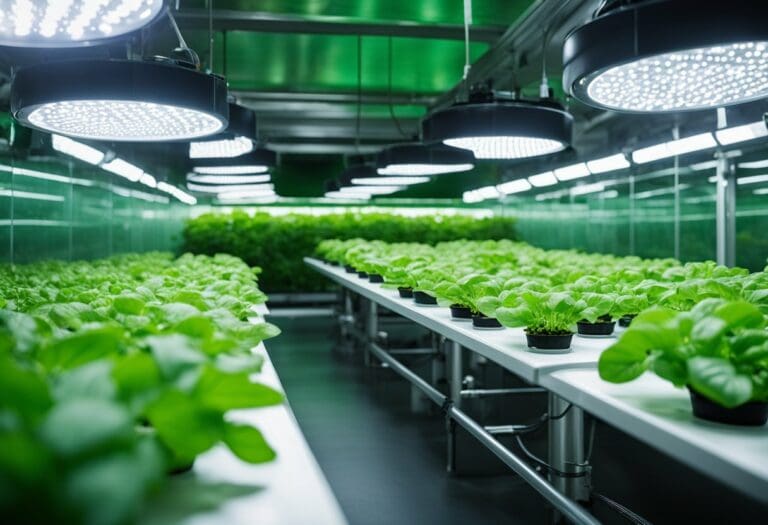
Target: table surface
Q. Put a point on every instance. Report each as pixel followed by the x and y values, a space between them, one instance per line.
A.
pixel 506 346
pixel 221 489
pixel 649 408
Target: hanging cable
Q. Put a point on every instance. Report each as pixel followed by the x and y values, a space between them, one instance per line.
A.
pixel 210 36
pixel 467 23
pixel 359 91
pixel 389 94
pixel 182 43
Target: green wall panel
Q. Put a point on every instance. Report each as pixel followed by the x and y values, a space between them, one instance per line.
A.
pixel 56 209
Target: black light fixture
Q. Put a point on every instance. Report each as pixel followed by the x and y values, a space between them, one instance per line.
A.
pixel 652 56
pixel 258 161
pixel 238 139
pixel 76 23
pixel 120 100
pixel 501 129
pixel 423 159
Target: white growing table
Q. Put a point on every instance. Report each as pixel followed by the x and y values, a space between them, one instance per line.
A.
pixel 291 490
pixel 648 409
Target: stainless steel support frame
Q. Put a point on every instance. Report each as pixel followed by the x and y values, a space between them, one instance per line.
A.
pixel 566 448
pixel 492 392
pixel 566 506
pixel 725 212
pixel 371 330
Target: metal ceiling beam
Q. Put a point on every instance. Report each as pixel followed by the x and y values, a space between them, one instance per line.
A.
pixel 236 20
pixel 367 97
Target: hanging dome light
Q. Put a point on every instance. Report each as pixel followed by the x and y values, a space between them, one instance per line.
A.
pixel 238 139
pixel 119 100
pixel 494 129
pixel 60 23
pixel 228 179
pixel 260 160
pixel 422 159
pixel 663 55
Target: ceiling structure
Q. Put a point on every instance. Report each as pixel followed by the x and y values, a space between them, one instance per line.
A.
pixel 329 78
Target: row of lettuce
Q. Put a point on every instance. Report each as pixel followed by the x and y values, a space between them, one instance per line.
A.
pixel 698 325
pixel 279 243
pixel 115 373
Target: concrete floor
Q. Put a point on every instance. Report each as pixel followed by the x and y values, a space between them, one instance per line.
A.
pixel 387 465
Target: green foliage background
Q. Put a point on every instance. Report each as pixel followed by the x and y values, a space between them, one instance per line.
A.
pixel 279 243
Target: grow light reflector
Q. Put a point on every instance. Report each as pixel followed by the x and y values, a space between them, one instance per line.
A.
pixel 574 171
pixel 119 100
pixel 515 186
pixel 228 179
pixel 668 55
pixel 422 159
pixel 606 164
pixel 737 134
pixel 57 23
pixel 77 149
pixel 506 147
pixel 220 149
pixel 543 179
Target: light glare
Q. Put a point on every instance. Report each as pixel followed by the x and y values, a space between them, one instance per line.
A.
pixel 504 147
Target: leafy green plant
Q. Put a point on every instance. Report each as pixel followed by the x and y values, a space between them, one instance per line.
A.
pixel 719 349
pixel 541 313
pixel 113 372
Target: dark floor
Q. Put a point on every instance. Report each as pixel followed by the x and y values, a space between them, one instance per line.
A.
pixel 387 465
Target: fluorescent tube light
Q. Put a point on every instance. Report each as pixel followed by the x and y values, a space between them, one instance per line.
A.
pixel 662 191
pixel 77 149
pixel 246 194
pixel 574 171
pixel 148 180
pixel 231 170
pixel 610 194
pixel 488 192
pixel 754 179
pixel 674 148
pixel 124 169
pixel 515 186
pixel 606 164
pixel 182 196
pixel 755 165
pixel 347 195
pixel 371 190
pixel 729 136
pixel 543 179
pixel 389 181
pixel 206 188
pixel 228 179
pixel 761 191
pixel 586 189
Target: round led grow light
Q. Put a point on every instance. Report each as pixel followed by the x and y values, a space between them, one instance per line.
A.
pixel 238 139
pixel 59 23
pixel 258 161
pixel 657 56
pixel 501 130
pixel 119 100
pixel 422 159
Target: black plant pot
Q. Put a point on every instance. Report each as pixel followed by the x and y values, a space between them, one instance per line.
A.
pixel 462 313
pixel 349 269
pixel 549 341
pixel 484 322
pixel 405 292
pixel 424 298
pixel 601 328
pixel 375 278
pixel 753 413
pixel 333 263
pixel 362 275
pixel 626 320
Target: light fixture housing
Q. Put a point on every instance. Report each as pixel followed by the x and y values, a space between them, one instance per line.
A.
pixel 654 56
pixel 416 159
pixel 501 129
pixel 120 100
pixel 259 160
pixel 57 23
pixel 238 139
pixel 228 179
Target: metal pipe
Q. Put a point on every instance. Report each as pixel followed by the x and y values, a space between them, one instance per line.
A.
pixel 570 509
pixel 456 373
pixel 566 447
pixel 371 330
pixel 503 429
pixel 500 392
pixel 413 351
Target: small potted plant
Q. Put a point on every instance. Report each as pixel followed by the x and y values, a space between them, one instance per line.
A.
pixel 549 318
pixel 718 350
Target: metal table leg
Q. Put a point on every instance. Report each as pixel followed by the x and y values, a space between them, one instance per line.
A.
pixel 371 330
pixel 455 379
pixel 567 448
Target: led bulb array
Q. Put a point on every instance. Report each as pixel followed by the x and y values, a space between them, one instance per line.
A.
pixel 423 169
pixel 69 22
pixel 503 147
pixel 220 149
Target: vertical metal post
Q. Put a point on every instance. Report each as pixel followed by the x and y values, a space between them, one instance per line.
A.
pixel 676 135
pixel 371 330
pixel 438 361
pixel 566 448
pixel 455 378
pixel 725 212
pixel 631 214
